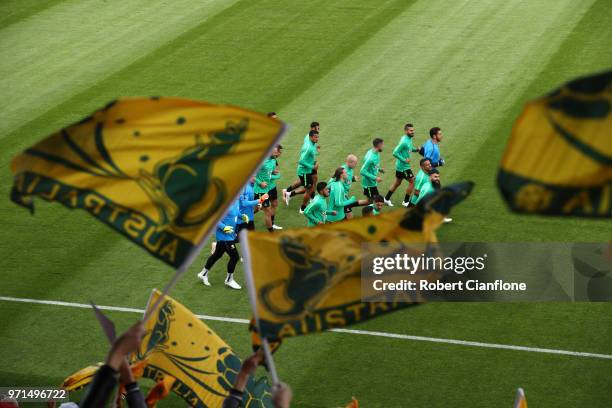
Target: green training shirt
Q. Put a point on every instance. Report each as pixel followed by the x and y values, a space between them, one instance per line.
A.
pixel 402 152
pixel 308 157
pixel 426 189
pixel 420 178
pixel 370 168
pixel 316 210
pixel 337 201
pixel 349 180
pixel 274 177
pixel 264 175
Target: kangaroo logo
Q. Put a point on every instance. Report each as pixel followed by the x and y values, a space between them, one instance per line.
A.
pixel 178 183
pixel 309 275
pixel 175 185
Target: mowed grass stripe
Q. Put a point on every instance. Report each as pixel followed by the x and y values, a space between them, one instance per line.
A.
pixel 427 69
pixel 579 54
pixel 60 51
pixel 397 336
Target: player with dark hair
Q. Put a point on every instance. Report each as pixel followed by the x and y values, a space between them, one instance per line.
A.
pixel 316 210
pixel 297 187
pixel 402 164
pixel 377 204
pixel 371 168
pixel 367 211
pixel 421 177
pixel 431 150
pixel 273 192
pixel 263 186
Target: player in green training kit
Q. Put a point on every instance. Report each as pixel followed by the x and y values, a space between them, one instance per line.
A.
pixel 273 192
pixel 370 169
pixel 421 177
pixel 316 211
pixel 263 183
pixel 377 205
pixel 337 196
pixel 431 184
pixel 297 187
pixel 349 165
pixel 402 165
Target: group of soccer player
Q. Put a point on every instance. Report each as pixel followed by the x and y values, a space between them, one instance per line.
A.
pixel 326 201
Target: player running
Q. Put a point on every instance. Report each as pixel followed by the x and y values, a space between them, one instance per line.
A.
pixel 306 165
pixel 316 211
pixel 263 184
pixel 431 150
pixel 337 196
pixel 421 177
pixel 402 164
pixel 226 243
pixel 297 187
pixel 273 192
pixel 370 169
pixel 349 165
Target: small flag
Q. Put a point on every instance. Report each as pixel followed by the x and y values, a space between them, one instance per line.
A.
pixel 520 401
pixel 559 157
pixel 161 171
pixel 309 280
pixel 203 366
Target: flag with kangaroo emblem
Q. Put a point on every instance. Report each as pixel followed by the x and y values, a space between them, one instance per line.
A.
pixel 308 280
pixel 203 366
pixel 559 157
pixel 161 171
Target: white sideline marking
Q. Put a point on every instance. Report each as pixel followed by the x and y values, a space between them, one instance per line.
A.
pixel 349 331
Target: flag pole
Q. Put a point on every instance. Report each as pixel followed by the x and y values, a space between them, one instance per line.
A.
pixel 248 273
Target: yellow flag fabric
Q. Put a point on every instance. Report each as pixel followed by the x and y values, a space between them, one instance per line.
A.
pixel 559 157
pixel 161 171
pixel 309 280
pixel 81 378
pixel 520 400
pixel 203 366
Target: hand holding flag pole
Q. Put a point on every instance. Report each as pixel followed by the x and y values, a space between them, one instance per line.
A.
pixel 244 248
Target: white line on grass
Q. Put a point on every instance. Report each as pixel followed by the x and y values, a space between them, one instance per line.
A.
pixel 349 331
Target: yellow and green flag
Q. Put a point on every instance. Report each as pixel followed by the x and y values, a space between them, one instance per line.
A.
pixel 309 279
pixel 161 171
pixel 559 157
pixel 203 367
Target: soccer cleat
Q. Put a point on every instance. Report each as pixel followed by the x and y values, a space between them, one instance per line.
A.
pixel 301 211
pixel 231 283
pixel 286 196
pixel 213 247
pixel 276 227
pixel 203 276
pixel 447 220
pixel 388 202
pixel 405 204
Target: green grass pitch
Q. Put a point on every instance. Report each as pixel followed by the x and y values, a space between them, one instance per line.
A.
pixel 362 68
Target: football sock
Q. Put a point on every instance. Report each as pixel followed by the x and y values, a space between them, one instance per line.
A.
pixel 407 198
pixel 389 194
